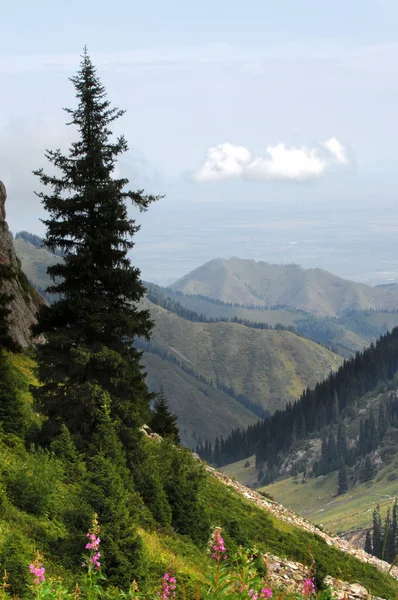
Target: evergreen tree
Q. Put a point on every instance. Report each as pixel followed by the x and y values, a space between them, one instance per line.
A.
pixel 367 470
pixel 163 422
pixel 389 544
pixel 110 491
pixel 91 328
pixel 13 409
pixel 332 452
pixel 217 452
pixel 335 408
pixel 341 444
pixel 394 530
pixel 343 480
pixel 377 533
pixel 368 542
pixel 382 422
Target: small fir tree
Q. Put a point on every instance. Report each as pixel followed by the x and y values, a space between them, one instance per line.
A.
pixel 394 529
pixel 341 444
pixel 163 422
pixel 343 480
pixel 367 470
pixel 377 533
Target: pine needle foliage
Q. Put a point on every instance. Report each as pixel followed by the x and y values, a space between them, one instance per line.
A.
pixel 91 328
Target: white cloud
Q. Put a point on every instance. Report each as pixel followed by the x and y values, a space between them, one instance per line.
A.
pixel 281 162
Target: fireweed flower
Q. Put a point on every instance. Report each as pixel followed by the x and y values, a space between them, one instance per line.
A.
pixel 308 587
pixel 95 560
pixel 38 571
pixel 217 546
pixel 168 587
pixel 93 545
pixel 266 593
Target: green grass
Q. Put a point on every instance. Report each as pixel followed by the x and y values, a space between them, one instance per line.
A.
pixel 238 471
pixel 244 523
pixel 341 514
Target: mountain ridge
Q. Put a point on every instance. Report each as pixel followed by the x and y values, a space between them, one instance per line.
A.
pixel 249 282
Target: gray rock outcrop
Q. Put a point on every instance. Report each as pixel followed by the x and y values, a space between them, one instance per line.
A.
pixel 26 300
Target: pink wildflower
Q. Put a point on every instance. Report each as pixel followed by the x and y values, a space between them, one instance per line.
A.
pixel 266 593
pixel 94 560
pixel 38 571
pixel 168 587
pixel 253 594
pixel 308 587
pixel 218 547
pixel 95 542
pixel 93 546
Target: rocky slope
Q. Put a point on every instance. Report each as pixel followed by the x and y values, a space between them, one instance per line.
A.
pixel 292 518
pixel 26 300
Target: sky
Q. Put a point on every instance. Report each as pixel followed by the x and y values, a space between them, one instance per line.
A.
pixel 270 126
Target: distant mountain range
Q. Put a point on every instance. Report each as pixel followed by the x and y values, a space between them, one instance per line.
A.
pixel 315 291
pixel 216 376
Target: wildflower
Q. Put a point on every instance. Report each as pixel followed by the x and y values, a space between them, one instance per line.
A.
pixel 93 545
pixel 253 594
pixel 266 593
pixel 95 560
pixel 308 587
pixel 95 542
pixel 168 587
pixel 217 546
pixel 38 571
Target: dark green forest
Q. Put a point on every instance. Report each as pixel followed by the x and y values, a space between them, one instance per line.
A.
pixel 328 403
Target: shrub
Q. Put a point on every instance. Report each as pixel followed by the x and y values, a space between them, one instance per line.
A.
pixel 31 481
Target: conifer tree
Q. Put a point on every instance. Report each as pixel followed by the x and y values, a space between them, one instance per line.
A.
pixel 367 470
pixel 377 533
pixel 163 422
pixel 332 452
pixel 91 328
pixel 394 529
pixel 341 443
pixel 342 480
pixel 388 546
pixel 368 542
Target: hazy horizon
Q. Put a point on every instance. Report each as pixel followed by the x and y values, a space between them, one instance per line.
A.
pixel 270 126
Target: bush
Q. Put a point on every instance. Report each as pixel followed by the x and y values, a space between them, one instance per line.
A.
pixel 15 557
pixel 32 481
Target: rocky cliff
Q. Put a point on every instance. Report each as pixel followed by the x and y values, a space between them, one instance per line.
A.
pixel 26 300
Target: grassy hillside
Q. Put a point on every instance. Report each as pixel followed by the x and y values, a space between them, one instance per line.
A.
pixel 347 334
pixel 203 410
pixel 262 284
pixel 47 524
pixel 316 500
pixel 268 367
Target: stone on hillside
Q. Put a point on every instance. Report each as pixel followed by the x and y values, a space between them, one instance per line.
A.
pixel 26 301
